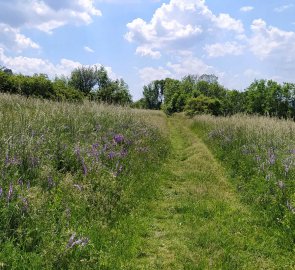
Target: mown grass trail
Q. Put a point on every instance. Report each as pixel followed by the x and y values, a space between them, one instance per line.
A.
pixel 198 222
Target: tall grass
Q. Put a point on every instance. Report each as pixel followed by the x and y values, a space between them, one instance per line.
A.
pixel 260 154
pixel 73 177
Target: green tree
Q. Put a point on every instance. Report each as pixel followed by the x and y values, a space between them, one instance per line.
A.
pixel 203 104
pixel 153 94
pixel 84 79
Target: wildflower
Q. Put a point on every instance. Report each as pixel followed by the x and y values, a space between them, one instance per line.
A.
pixel 111 155
pixel 118 139
pixel 1 191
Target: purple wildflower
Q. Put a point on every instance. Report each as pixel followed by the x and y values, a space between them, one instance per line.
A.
pixel 1 191
pixel 111 155
pixel 118 138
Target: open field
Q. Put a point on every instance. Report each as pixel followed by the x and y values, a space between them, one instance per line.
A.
pixel 88 186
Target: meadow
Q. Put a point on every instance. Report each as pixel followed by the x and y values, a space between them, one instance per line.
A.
pixel 92 186
pixel 74 178
pixel 259 155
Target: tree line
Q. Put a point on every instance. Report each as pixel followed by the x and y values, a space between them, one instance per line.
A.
pixel 84 82
pixel 203 94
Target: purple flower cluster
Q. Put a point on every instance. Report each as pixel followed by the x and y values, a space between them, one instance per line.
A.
pixel 118 138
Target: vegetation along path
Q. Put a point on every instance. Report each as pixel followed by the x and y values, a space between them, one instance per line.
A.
pixel 198 222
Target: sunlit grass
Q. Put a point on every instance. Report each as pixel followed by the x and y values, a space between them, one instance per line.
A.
pixel 260 155
pixel 73 178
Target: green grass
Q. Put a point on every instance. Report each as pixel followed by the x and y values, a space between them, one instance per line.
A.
pixel 87 186
pixel 73 179
pixel 198 220
pixel 258 153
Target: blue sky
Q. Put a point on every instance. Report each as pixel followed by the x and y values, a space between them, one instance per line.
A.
pixel 143 40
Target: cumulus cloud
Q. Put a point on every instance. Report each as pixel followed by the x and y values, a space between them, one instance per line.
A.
pixel 45 16
pixel 30 66
pixel 272 42
pixel 12 39
pixel 179 24
pixel 222 49
pixel 185 64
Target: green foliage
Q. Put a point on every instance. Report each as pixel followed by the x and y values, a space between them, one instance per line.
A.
pixel 261 97
pixel 113 92
pixel 153 95
pixel 84 78
pixel 64 92
pixel 84 82
pixel 202 105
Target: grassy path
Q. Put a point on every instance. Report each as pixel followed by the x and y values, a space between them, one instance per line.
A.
pixel 197 222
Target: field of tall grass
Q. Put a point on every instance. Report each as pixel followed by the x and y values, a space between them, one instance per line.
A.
pixel 74 178
pixel 259 153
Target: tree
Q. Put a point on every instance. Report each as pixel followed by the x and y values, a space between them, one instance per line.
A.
pixel 203 104
pixel 153 94
pixel 84 79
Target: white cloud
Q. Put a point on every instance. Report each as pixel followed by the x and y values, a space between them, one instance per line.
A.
pixel 146 51
pixel 226 22
pixel 12 39
pixel 149 74
pixel 246 8
pixel 222 49
pixel 180 24
pixel 88 49
pixel 185 64
pixel 47 15
pixel 271 42
pixel 29 65
pixel 283 8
